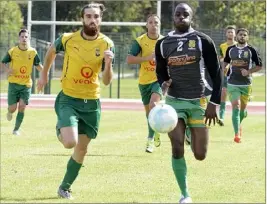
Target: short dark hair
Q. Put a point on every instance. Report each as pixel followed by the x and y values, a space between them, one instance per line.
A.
pixel 23 31
pixel 230 27
pixel 93 5
pixel 242 29
pixel 150 15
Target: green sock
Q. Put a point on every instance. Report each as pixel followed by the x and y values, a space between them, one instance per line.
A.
pixel 222 110
pixel 73 169
pixel 243 114
pixel 236 119
pixel 180 170
pixel 19 120
pixel 150 131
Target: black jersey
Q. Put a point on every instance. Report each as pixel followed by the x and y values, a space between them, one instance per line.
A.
pixel 241 58
pixel 185 59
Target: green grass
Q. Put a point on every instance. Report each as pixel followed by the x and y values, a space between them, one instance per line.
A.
pixel 117 169
pixel 129 88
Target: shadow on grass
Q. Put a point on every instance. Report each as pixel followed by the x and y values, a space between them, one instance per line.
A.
pixel 25 200
pixel 88 155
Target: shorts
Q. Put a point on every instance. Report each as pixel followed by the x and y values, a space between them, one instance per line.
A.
pixel 239 92
pixel 17 92
pixel 191 111
pixel 74 112
pixel 146 91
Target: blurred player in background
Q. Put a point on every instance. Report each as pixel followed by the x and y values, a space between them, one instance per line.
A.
pixel 240 57
pixel 181 59
pixel 77 106
pixel 230 40
pixel 21 60
pixel 143 52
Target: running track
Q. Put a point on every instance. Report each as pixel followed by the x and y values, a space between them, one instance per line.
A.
pixel 47 101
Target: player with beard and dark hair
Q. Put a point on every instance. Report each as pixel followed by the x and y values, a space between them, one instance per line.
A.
pixel 181 60
pixel 240 57
pixel 77 106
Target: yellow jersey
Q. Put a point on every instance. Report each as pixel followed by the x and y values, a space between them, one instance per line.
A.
pixel 223 48
pixel 21 61
pixel 83 61
pixel 144 46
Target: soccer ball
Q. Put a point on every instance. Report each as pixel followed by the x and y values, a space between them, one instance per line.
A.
pixel 162 118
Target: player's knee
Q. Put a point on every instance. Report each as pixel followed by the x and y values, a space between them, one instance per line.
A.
pixel 178 152
pixel 81 152
pixel 235 104
pixel 12 109
pixel 69 144
pixel 200 155
pixel 21 108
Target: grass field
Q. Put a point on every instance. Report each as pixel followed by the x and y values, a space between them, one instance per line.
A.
pixel 117 169
pixel 129 88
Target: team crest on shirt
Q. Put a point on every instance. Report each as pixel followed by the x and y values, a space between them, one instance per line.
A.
pixel 246 54
pixel 23 70
pixel 86 72
pixel 29 57
pixel 192 44
pixel 97 52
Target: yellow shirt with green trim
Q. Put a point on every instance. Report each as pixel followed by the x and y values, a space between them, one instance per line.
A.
pixel 144 46
pixel 83 61
pixel 21 61
pixel 223 48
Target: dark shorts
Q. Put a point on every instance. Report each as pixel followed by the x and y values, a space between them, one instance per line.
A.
pixel 74 112
pixel 146 91
pixel 17 92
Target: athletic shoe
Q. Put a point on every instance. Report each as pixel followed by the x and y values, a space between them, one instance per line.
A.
pixel 9 116
pixel 150 145
pixel 187 136
pixel 185 200
pixel 16 132
pixel 237 138
pixel 64 194
pixel 157 141
pixel 220 122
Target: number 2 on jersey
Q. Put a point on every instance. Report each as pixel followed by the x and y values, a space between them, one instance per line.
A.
pixel 180 46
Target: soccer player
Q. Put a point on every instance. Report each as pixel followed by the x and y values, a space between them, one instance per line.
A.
pixel 77 106
pixel 241 58
pixel 230 36
pixel 18 63
pixel 142 52
pixel 181 59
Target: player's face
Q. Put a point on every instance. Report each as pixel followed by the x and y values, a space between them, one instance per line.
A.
pixel 230 34
pixel 152 25
pixel 91 21
pixel 24 38
pixel 242 37
pixel 182 18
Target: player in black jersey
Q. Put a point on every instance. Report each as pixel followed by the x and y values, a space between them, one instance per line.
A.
pixel 181 59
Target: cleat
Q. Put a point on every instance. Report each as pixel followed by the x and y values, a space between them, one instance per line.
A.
pixel 150 146
pixel 157 141
pixel 64 194
pixel 220 122
pixel 185 200
pixel 187 136
pixel 237 139
pixel 16 132
pixel 9 116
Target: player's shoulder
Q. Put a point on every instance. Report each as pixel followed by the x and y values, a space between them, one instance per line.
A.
pixel 251 47
pixel 106 39
pixel 141 37
pixel 67 36
pixel 13 48
pixel 203 36
pixel 231 46
pixel 31 49
pixel 224 44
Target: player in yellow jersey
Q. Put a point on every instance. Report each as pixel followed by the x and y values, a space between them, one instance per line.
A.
pixel 18 63
pixel 77 106
pixel 142 52
pixel 230 36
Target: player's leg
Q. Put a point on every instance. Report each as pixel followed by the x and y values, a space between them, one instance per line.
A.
pixel 155 98
pixel 234 97
pixel 12 100
pixel 223 102
pixel 177 142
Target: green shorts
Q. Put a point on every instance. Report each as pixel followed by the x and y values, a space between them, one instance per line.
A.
pixel 73 112
pixel 224 82
pixel 191 111
pixel 239 92
pixel 146 91
pixel 16 92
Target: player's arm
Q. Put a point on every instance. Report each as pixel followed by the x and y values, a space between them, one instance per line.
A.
pixel 5 63
pixel 108 66
pixel 227 59
pixel 221 55
pixel 212 64
pixel 37 63
pixel 256 59
pixel 161 68
pixel 133 57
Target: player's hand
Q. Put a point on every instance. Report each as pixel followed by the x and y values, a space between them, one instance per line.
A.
pixel 108 55
pixel 165 86
pixel 42 81
pixel 9 72
pixel 244 72
pixel 151 57
pixel 210 114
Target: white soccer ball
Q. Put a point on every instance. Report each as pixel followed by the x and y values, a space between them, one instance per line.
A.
pixel 162 118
